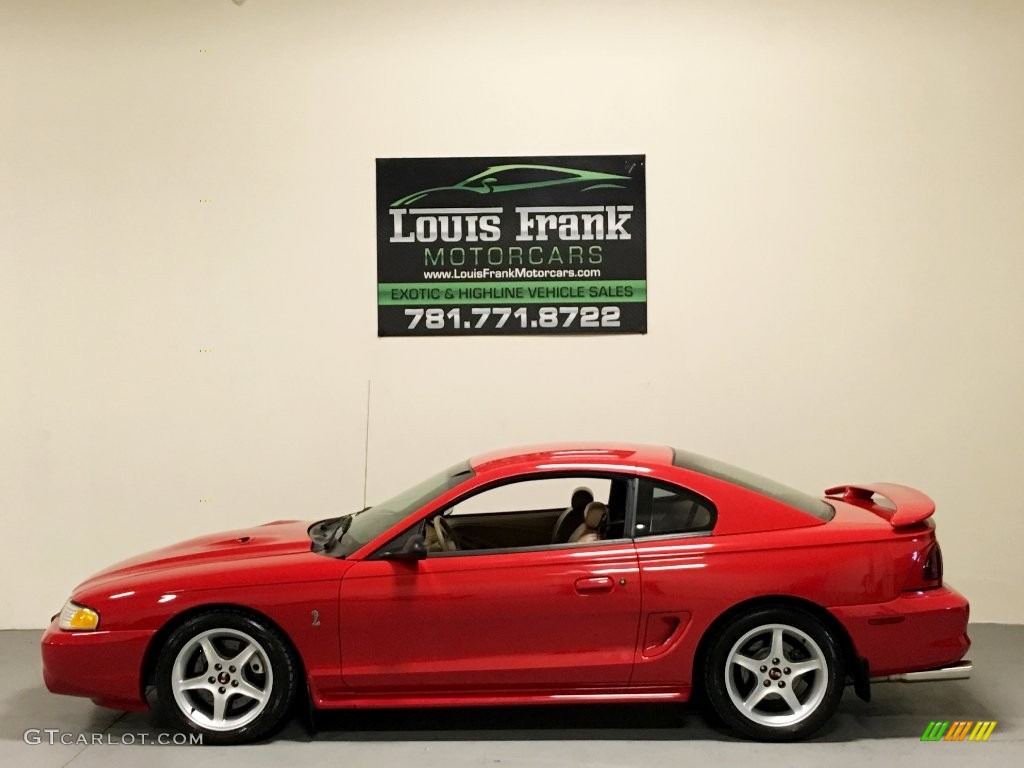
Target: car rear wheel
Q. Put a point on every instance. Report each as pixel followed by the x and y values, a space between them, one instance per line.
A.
pixel 227 676
pixel 775 674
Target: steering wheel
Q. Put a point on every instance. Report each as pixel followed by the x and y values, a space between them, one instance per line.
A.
pixel 445 535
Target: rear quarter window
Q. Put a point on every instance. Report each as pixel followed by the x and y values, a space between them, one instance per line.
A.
pixel 663 509
pixel 753 482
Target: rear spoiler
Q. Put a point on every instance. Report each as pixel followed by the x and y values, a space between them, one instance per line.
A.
pixel 911 506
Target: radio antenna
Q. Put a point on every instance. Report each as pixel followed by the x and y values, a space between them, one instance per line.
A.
pixel 366 443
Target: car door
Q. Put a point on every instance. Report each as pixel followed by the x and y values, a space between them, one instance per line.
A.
pixel 540 618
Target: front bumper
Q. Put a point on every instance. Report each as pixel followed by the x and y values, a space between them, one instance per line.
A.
pixel 917 631
pixel 105 666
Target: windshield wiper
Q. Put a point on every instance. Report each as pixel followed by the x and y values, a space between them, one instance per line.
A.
pixel 340 530
pixel 327 533
pixel 324 529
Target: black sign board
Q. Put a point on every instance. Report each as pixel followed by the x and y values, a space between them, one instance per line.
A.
pixel 511 245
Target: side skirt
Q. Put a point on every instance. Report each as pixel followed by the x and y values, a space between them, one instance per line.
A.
pixel 387 700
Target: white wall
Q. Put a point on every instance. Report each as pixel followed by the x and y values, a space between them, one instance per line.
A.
pixel 836 213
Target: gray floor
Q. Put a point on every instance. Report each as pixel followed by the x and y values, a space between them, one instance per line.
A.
pixel 887 730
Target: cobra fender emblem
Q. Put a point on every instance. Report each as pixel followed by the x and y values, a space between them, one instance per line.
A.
pixel 316 618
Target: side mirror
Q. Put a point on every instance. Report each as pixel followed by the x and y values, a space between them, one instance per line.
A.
pixel 415 548
pixel 488 183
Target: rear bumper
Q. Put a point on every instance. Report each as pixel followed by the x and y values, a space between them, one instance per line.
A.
pixel 918 631
pixel 105 666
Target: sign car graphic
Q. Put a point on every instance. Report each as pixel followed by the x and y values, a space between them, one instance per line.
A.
pixel 512 178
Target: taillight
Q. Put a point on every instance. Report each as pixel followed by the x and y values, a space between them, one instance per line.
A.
pixel 933 565
pixel 926 570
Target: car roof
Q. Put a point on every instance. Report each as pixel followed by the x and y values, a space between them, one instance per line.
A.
pixel 574 455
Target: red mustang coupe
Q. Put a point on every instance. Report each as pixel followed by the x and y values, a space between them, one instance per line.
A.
pixel 559 573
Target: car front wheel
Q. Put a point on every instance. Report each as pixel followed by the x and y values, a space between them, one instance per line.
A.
pixel 775 674
pixel 226 676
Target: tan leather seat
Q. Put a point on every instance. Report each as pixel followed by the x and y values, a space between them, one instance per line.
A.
pixel 594 518
pixel 572 517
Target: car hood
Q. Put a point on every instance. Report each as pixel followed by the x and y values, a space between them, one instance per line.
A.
pixel 283 537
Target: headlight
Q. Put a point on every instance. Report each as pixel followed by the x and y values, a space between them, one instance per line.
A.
pixel 78 617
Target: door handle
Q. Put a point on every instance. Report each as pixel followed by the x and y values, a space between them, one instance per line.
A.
pixel 593 584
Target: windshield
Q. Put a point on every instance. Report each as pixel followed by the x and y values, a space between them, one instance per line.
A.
pixel 752 482
pixel 366 525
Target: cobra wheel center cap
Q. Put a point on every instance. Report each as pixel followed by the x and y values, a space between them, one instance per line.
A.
pixel 774 673
pixel 223 678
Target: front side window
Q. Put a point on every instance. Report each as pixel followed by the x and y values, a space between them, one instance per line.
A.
pixel 663 509
pixel 538 511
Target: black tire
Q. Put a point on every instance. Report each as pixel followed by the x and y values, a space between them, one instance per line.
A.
pixel 789 696
pixel 245 701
